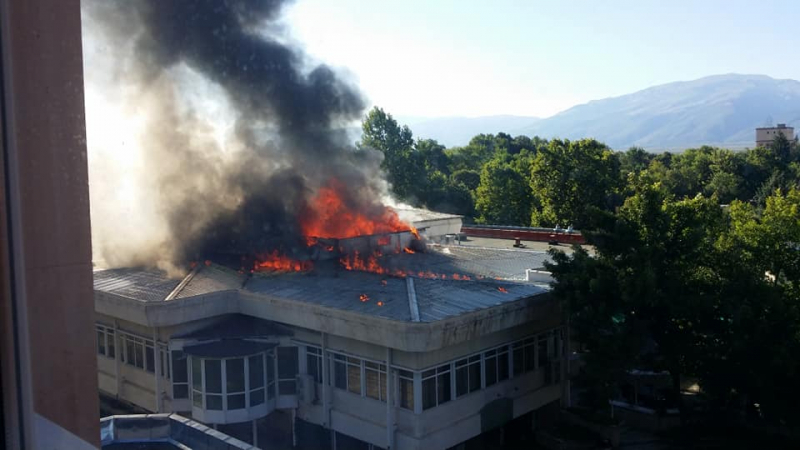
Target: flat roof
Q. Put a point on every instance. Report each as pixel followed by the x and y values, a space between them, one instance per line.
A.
pixel 496 277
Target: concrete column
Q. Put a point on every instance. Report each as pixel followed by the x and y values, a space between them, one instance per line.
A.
pixel 157 359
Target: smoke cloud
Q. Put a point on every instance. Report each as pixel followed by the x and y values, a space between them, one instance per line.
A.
pixel 207 133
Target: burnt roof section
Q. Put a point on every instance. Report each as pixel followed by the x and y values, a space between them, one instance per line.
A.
pixel 496 278
pixel 136 283
pixel 236 326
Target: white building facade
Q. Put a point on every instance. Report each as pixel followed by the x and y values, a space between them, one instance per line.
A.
pixel 296 361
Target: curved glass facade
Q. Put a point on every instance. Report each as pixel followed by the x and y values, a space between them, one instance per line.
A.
pixel 242 385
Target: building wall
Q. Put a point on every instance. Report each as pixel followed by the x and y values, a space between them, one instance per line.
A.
pixel 765 136
pixel 48 367
pixel 358 415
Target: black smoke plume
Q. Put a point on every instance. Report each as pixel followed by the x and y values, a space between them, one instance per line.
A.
pixel 290 121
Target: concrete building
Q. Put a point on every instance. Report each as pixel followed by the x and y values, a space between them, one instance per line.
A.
pixel 765 136
pixel 340 359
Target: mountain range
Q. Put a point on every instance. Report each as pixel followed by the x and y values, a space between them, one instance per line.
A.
pixel 721 110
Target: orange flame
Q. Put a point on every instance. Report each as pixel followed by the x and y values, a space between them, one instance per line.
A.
pixel 409 251
pixel 415 233
pixel 364 297
pixel 502 289
pixel 380 303
pixel 276 261
pixel 331 215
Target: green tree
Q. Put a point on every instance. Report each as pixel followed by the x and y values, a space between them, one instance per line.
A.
pixel 469 178
pixel 647 294
pixel 403 165
pixel 503 196
pixel 569 178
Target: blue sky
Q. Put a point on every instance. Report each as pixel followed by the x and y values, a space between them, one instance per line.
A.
pixel 472 58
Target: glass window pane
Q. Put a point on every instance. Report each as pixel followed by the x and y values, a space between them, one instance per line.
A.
pixel 270 369
pixel 270 391
pixel 236 401
pixel 179 367
pixel 257 397
pixel 354 379
pixel 502 366
pixel 407 393
pixel 138 352
pixel 519 365
pixel 287 362
pixel 151 359
pixel 373 383
pixel 180 391
pixel 474 377
pixel 197 374
pixel 197 399
pixel 131 356
pixel 462 378
pixel 121 346
pixel 101 342
pixel 542 352
pixel 429 393
pixel 491 371
pixel 214 402
pixel 340 375
pixel 312 362
pixel 234 372
pixel 111 350
pixel 256 370
pixel 443 386
pixel 213 376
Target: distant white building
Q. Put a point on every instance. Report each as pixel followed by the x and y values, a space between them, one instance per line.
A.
pixel 764 136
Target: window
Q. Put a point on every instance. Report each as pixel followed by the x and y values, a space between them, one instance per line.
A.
pixel 197 382
pixel 234 383
pixel 524 355
pixel 406 389
pixel 468 375
pixel 226 383
pixel 256 378
pixel 270 376
pixel 180 376
pixel 375 380
pixel 436 386
pixel 496 365
pixel 163 355
pixel 213 383
pixel 150 358
pixel 101 342
pixel 105 341
pixel 314 363
pixel 543 347
pixel 287 370
pixel 347 373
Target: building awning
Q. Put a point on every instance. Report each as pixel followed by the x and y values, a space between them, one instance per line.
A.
pixel 228 348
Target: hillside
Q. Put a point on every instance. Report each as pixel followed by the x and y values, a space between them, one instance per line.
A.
pixel 717 110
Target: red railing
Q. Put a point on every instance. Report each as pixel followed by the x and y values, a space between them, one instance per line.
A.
pixel 525 234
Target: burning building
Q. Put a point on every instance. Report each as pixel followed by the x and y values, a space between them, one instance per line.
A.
pixel 421 350
pixel 296 308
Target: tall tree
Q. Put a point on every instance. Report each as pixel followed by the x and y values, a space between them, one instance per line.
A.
pixel 404 168
pixel 503 196
pixel 568 178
